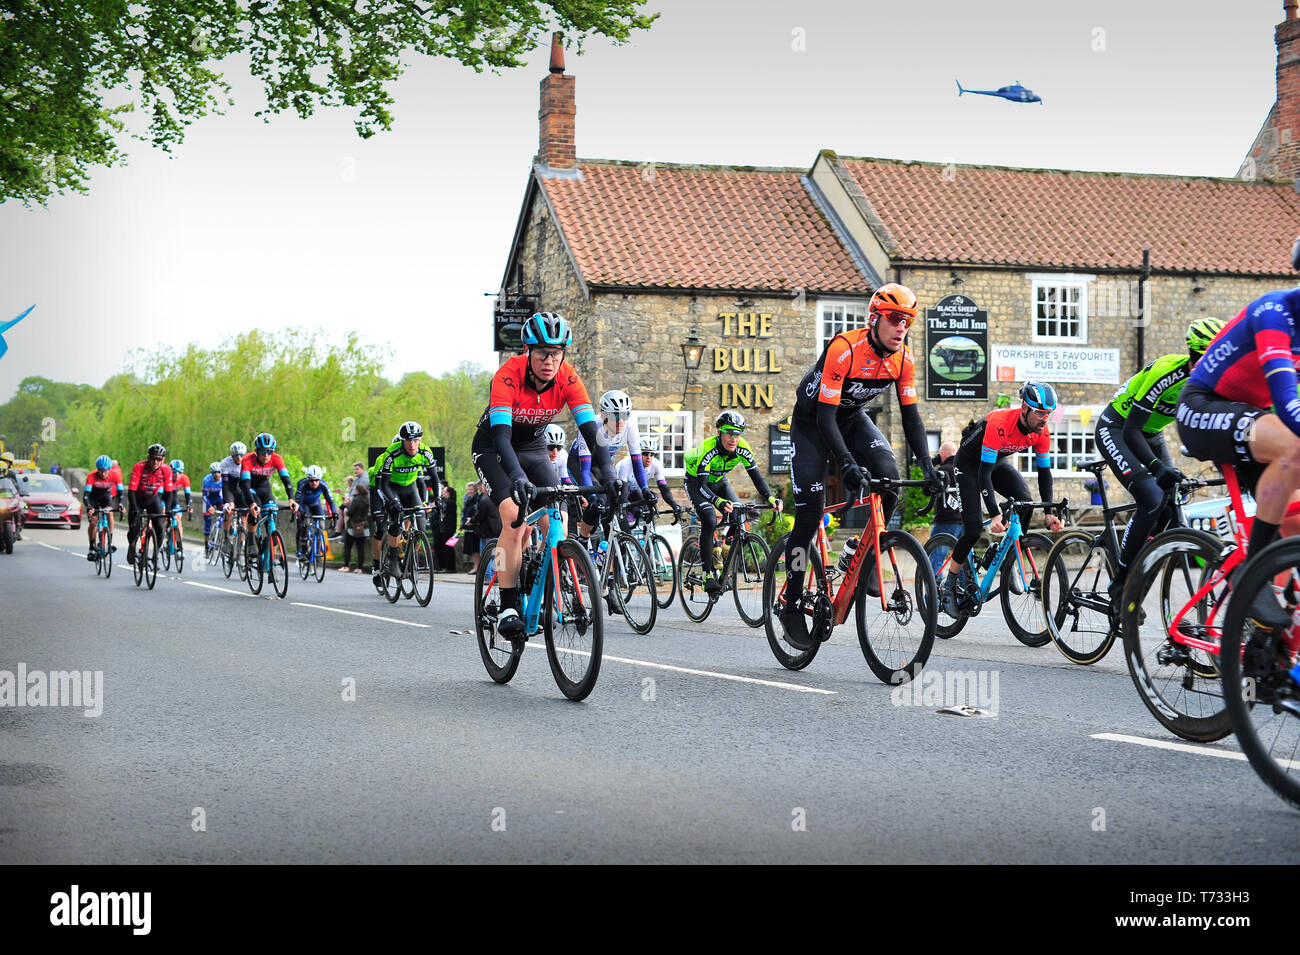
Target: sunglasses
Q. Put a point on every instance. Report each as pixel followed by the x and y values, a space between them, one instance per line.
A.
pixel 897 318
pixel 154 460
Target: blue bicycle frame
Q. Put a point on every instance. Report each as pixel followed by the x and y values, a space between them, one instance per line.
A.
pixel 263 542
pixel 537 593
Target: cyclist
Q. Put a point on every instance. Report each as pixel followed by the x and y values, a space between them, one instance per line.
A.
pixel 232 489
pixel 1129 436
pixel 182 481
pixel 509 446
pixel 616 414
pixel 311 488
pixel 555 438
pixel 212 499
pixel 377 517
pixel 255 472
pixel 153 494
pixel 103 490
pixel 829 424
pixel 707 466
pixel 1224 416
pixel 404 478
pixel 984 473
pixel 653 472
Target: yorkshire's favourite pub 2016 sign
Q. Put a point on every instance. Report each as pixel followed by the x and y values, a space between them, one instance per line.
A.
pixel 956 350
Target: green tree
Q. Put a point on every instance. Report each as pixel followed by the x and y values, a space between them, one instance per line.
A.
pixel 60 58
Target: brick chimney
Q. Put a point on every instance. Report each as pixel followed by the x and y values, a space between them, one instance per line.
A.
pixel 556 115
pixel 1287 122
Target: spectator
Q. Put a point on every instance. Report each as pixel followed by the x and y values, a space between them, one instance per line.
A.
pixel 358 529
pixel 359 470
pixel 469 525
pixel 489 520
pixel 446 554
pixel 947 510
pixel 341 525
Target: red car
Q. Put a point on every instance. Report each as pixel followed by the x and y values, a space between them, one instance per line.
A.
pixel 49 502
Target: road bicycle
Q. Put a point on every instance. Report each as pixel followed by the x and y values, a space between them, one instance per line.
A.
pixel 311 558
pixel 896 636
pixel 265 557
pixel 414 576
pixel 559 593
pixel 625 574
pixel 1261 668
pixel 1081 566
pixel 742 555
pixel 1173 654
pixel 663 562
pixel 144 565
pixel 103 542
pixel 1019 558
pixel 173 549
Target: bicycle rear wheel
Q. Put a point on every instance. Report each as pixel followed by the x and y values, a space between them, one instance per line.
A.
pixel 747 572
pixel 226 552
pixel 774 579
pixel 305 567
pixel 631 583
pixel 1178 684
pixel 1261 695
pixel 896 639
pixel 690 580
pixel 241 556
pixel 573 621
pixel 499 657
pixel 1075 588
pixel 150 547
pixel 419 559
pixel 945 627
pixel 660 553
pixel 278 569
pixel 252 567
pixel 1024 611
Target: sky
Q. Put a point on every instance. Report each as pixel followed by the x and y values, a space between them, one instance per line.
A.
pixel 404 237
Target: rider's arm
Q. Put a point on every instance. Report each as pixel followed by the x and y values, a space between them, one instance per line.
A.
pixel 751 468
pixel 324 489
pixel 1274 345
pixel 835 365
pixel 667 494
pixel 914 430
pixel 600 460
pixel 1044 465
pixel 284 479
pixel 1136 438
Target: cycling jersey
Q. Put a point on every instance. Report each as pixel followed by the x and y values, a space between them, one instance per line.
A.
pixel 212 490
pixel 1254 360
pixel 1154 391
pixel 108 481
pixel 158 481
pixel 182 482
pixel 231 490
pixel 580 456
pixel 654 474
pixel 401 469
pixel 562 469
pixel 1000 434
pixel 514 401
pixel 307 497
pixel 850 373
pixel 709 463
pixel 256 477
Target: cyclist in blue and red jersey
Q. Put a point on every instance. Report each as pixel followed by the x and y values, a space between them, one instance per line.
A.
pixel 182 484
pixel 255 477
pixel 152 494
pixel 212 499
pixel 509 446
pixel 1224 416
pixel 103 491
pixel 311 489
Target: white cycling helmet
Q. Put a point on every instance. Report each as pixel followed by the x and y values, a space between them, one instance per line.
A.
pixel 238 449
pixel 649 445
pixel 555 436
pixel 215 467
pixel 313 472
pixel 616 403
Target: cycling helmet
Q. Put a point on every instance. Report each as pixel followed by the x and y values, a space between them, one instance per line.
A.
pixel 1201 332
pixel 546 328
pixel 103 462
pixel 312 472
pixel 892 297
pixel 178 466
pixel 732 421
pixel 616 403
pixel 410 431
pixel 215 467
pixel 264 442
pixel 649 445
pixel 238 449
pixel 554 436
pixel 156 451
pixel 1039 395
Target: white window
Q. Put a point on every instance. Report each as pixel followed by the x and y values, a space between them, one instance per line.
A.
pixel 674 429
pixel 1060 308
pixel 836 317
pixel 1072 442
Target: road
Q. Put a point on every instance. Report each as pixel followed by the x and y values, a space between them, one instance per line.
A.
pixel 225 736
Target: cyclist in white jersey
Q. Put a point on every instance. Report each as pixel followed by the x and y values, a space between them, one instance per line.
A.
pixel 654 473
pixel 616 432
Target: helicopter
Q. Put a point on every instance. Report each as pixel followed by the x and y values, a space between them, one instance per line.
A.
pixel 1016 93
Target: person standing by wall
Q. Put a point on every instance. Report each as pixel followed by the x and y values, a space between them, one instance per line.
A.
pixel 947 510
pixel 446 553
pixel 469 525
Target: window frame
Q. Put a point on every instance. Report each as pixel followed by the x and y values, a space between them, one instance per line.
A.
pixel 1060 280
pixel 841 303
pixel 1070 415
pixel 643 421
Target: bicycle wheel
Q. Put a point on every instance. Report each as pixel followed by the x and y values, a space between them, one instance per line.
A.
pixel 278 569
pixel 1076 576
pixel 318 558
pixel 1024 611
pixel 179 555
pixel 747 572
pixel 241 556
pixel 165 551
pixel 774 599
pixel 1261 695
pixel 573 622
pixel 896 639
pixel 253 571
pixel 690 580
pixel 150 547
pixel 499 657
pixel 419 556
pixel 392 584
pixel 226 552
pixel 660 553
pixel 945 628
pixel 632 584
pixel 305 567
pixel 1179 684
pixel 106 551
pixel 136 550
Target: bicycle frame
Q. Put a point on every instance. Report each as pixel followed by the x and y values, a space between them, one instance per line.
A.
pixel 1010 539
pixel 532 603
pixel 260 538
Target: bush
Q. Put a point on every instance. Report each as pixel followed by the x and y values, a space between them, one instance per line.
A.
pixel 914 499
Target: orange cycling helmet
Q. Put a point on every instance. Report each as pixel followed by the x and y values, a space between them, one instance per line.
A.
pixel 892 297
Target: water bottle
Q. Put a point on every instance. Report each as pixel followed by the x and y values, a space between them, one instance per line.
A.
pixel 601 550
pixel 847 557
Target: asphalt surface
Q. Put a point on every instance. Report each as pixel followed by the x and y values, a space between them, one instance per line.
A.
pixel 225 737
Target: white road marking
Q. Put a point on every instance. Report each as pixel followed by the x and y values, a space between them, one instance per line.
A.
pixel 1187 748
pixel 356 613
pixel 59 549
pixel 224 590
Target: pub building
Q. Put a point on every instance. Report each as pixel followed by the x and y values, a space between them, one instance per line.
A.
pixel 699 288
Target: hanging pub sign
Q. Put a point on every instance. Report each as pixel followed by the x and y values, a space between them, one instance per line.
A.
pixel 507 318
pixel 956 350
pixel 779 447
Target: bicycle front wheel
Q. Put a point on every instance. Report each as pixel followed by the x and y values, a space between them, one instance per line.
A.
pixel 136 551
pixel 748 568
pixel 660 553
pixel 896 638
pixel 774 580
pixel 499 656
pixel 278 570
pixel 937 551
pixel 1022 589
pixel 253 571
pixel 573 621
pixel 631 583
pixel 690 578
pixel 178 544
pixel 166 550
pixel 150 548
pixel 1179 684
pixel 391 584
pixel 318 558
pixel 1261 695
pixel 1076 581
pixel 226 552
pixel 241 558
pixel 419 560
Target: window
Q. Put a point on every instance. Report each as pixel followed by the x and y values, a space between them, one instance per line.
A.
pixel 675 431
pixel 837 317
pixel 1060 304
pixel 1072 443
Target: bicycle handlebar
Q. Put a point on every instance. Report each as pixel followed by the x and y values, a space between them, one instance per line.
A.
pixel 563 490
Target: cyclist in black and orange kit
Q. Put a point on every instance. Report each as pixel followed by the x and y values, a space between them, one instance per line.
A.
pixel 829 419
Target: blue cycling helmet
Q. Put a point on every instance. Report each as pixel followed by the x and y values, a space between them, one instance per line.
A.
pixel 103 462
pixel 264 442
pixel 1039 395
pixel 178 466
pixel 547 328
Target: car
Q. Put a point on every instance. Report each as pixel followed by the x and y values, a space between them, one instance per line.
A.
pixel 49 502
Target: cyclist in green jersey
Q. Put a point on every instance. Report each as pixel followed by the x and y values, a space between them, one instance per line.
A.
pixel 707 466
pixel 403 477
pixel 1129 437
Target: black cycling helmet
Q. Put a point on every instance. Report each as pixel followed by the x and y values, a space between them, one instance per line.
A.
pixel 546 328
pixel 410 431
pixel 156 450
pixel 264 442
pixel 732 421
